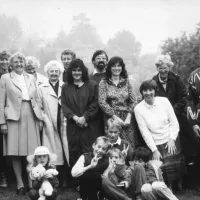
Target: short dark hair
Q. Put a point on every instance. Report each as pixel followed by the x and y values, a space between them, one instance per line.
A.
pixel 4 54
pixel 111 63
pixel 142 153
pixel 74 64
pixel 68 52
pixel 148 84
pixel 99 52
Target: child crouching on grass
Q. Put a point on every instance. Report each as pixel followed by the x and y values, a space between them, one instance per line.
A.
pixel 117 177
pixel 151 181
pixel 45 158
pixel 90 167
pixel 114 129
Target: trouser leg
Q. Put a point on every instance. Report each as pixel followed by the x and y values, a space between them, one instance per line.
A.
pixel 112 191
pixel 160 189
pixel 147 192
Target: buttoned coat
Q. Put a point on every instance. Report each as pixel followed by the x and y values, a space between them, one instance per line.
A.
pixel 51 138
pixel 11 97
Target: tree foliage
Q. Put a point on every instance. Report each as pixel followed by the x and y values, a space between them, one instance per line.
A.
pixel 185 52
pixel 124 44
pixel 83 34
pixel 10 31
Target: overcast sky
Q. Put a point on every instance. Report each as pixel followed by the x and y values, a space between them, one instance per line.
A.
pixel 151 21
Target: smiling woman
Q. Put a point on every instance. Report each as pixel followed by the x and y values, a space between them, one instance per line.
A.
pixel 159 127
pixel 20 116
pixel 79 100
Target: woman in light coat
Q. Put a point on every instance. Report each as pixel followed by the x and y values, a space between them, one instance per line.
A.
pixel 20 115
pixel 54 131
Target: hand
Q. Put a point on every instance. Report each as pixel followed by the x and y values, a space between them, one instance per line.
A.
pixel 75 118
pixel 127 121
pixel 171 146
pixel 48 176
pixel 94 161
pixel 81 121
pixel 125 150
pixel 196 130
pixel 119 120
pixel 156 155
pixel 4 128
pixel 125 184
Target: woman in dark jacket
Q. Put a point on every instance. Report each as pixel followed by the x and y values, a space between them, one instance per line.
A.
pixel 79 101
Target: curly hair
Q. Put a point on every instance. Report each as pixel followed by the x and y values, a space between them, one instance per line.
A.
pixel 30 60
pixel 75 64
pixel 111 63
pixel 17 55
pixel 4 55
pixel 99 52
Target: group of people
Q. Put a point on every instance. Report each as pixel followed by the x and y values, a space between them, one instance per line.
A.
pixel 113 143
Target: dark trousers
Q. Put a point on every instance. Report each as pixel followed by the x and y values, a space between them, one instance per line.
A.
pixel 89 187
pixel 112 191
pixel 3 167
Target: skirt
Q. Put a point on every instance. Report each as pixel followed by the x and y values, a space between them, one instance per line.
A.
pixel 173 166
pixel 23 135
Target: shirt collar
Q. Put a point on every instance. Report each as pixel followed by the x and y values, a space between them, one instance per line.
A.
pixel 119 140
pixel 96 72
pixel 150 106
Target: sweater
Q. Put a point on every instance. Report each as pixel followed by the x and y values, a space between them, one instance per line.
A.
pixel 157 122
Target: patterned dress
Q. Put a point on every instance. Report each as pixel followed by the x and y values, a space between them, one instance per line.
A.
pixel 119 100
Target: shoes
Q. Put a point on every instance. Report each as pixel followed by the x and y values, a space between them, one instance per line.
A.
pixel 20 191
pixel 3 180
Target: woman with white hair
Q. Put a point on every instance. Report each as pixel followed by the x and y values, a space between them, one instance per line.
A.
pixel 54 132
pixel 171 86
pixel 31 65
pixel 20 115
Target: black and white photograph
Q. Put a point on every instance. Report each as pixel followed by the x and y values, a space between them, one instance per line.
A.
pixel 99 99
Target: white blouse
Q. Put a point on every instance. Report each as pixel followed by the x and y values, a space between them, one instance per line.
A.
pixel 22 85
pixel 157 122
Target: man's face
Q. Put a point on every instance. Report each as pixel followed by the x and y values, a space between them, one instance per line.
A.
pixel 100 62
pixel 4 63
pixel 66 59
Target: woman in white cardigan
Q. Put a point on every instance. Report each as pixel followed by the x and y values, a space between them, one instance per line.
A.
pixel 159 128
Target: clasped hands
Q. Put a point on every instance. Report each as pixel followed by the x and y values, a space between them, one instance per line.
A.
pixel 80 121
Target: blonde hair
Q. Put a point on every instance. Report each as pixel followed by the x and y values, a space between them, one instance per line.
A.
pixel 30 60
pixel 17 55
pixel 164 59
pixel 113 123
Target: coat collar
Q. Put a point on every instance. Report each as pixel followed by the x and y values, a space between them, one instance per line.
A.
pixel 50 89
pixel 27 78
pixel 171 76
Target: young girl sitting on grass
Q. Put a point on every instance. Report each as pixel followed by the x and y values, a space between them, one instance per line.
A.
pixel 46 159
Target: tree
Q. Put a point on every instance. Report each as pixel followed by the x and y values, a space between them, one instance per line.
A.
pixel 185 52
pixel 124 44
pixel 83 34
pixel 62 40
pixel 10 31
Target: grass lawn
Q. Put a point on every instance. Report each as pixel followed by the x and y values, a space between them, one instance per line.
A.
pixel 191 182
pixel 9 194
